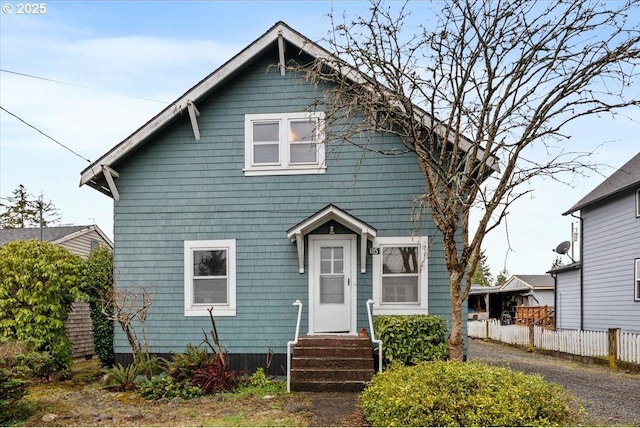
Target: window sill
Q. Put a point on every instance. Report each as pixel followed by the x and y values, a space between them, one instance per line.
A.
pixel 251 172
pixel 204 312
pixel 400 310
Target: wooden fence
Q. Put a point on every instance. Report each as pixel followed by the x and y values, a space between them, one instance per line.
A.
pixel 614 344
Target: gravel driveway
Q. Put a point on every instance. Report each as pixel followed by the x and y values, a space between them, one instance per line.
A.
pixel 610 397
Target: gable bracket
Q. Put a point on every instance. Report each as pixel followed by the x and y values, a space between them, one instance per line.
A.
pixel 108 175
pixel 193 115
pixel 363 251
pixel 300 244
pixel 281 53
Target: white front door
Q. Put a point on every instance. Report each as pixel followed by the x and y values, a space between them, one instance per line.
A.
pixel 332 286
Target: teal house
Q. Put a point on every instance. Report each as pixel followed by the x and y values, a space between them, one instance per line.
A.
pixel 232 198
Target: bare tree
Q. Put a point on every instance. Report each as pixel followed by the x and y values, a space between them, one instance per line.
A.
pixel 482 98
pixel 129 307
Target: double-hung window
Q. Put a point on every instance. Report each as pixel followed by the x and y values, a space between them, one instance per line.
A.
pixel 284 143
pixel 210 277
pixel 400 275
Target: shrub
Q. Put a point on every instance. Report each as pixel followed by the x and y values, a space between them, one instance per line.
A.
pixel 452 393
pixel 98 285
pixel 216 377
pixel 181 367
pixel 19 358
pixel 409 339
pixel 12 389
pixel 122 378
pixel 163 386
pixel 260 385
pixel 39 283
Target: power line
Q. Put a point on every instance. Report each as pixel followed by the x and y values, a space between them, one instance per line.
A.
pixel 48 136
pixel 31 76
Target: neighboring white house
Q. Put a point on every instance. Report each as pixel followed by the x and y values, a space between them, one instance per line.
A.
pixel 602 290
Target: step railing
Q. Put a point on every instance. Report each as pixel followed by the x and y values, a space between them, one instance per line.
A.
pixel 373 335
pixel 293 342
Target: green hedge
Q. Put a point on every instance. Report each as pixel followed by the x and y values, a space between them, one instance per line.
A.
pixel 98 285
pixel 39 281
pixel 409 339
pixel 451 393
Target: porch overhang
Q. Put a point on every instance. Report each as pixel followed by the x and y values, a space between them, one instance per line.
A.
pixel 329 213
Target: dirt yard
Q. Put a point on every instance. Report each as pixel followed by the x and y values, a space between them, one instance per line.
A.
pixel 80 401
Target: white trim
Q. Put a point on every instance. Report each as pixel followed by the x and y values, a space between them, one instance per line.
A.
pixel 638 202
pixel 284 166
pixel 331 212
pixel 227 310
pixel 352 277
pixel 108 175
pixel 636 283
pixel 194 113
pixel 422 307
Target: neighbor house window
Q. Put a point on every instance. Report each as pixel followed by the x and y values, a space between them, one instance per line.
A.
pixel 400 275
pixel 210 277
pixel 637 202
pixel 284 143
pixel 637 281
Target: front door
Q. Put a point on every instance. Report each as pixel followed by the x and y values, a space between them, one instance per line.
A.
pixel 332 287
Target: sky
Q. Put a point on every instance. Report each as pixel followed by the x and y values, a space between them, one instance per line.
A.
pixel 89 73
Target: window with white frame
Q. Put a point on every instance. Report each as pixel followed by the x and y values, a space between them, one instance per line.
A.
pixel 637 202
pixel 210 277
pixel 400 275
pixel 284 143
pixel 637 281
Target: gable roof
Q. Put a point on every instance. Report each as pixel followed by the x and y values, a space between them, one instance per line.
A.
pixel 99 174
pixel 55 235
pixel 625 178
pixel 528 282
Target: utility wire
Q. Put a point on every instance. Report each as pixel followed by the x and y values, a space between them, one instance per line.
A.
pixel 48 136
pixel 31 76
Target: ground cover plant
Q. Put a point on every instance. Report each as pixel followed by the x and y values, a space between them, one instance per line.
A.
pixel 451 393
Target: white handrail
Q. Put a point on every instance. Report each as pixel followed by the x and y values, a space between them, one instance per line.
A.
pixel 373 335
pixel 297 303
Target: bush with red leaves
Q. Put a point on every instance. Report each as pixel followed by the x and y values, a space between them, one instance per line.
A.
pixel 216 377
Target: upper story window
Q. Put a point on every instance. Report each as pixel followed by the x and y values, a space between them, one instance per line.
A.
pixel 210 277
pixel 400 276
pixel 284 143
pixel 637 202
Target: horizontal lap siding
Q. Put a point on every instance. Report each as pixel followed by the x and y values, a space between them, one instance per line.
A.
pixel 568 300
pixel 175 189
pixel 611 242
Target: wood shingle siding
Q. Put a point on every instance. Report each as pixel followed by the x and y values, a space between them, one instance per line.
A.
pixel 80 331
pixel 176 188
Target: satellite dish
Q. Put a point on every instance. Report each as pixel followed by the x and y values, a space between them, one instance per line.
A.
pixel 563 248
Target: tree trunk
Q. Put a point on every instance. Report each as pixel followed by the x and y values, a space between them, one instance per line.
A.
pixel 455 343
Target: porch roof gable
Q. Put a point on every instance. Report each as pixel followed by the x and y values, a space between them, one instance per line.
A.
pixel 328 213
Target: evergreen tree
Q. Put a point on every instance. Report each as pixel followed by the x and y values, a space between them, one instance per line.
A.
pixel 482 274
pixel 21 212
pixel 502 277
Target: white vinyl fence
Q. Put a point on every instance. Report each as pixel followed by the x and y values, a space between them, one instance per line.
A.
pixel 575 342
